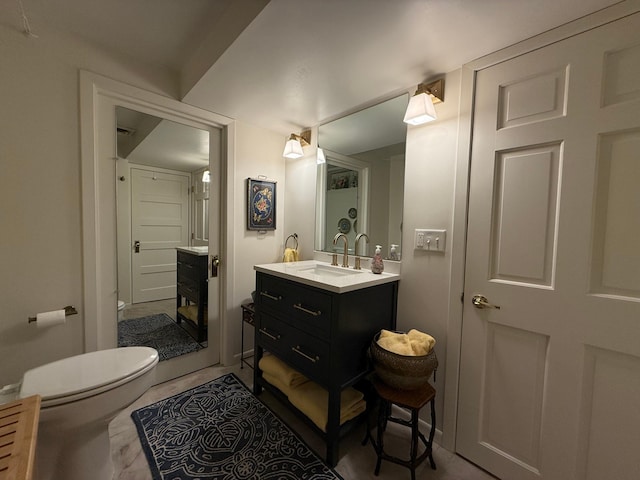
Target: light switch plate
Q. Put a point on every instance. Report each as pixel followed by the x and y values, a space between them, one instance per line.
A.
pixel 430 240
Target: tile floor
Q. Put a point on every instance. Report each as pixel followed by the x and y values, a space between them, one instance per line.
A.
pixel 356 461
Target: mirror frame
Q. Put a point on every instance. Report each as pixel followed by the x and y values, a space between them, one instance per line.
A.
pixel 321 194
pixel 364 169
pixel 98 197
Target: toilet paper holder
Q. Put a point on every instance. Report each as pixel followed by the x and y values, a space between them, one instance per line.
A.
pixel 68 310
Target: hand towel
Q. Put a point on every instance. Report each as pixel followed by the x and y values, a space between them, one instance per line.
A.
pixel 397 343
pixel 422 343
pixel 410 344
pixel 290 255
pixel 313 400
pixel 277 368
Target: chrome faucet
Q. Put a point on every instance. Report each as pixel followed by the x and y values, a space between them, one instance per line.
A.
pixel 345 256
pixel 358 237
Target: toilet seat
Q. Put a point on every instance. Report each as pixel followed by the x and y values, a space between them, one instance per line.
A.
pixel 74 378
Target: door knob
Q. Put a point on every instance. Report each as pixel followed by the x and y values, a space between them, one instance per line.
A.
pixel 136 246
pixel 480 301
pixel 215 263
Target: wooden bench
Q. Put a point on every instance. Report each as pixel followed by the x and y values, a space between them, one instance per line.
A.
pixel 18 435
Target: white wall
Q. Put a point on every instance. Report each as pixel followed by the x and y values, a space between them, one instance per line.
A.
pixel 423 300
pixel 40 213
pixel 258 152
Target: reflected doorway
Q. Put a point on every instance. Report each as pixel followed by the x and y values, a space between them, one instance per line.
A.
pixel 162 207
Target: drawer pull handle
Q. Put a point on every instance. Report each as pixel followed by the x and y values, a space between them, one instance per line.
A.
pixel 300 352
pixel 315 313
pixel 264 331
pixel 272 297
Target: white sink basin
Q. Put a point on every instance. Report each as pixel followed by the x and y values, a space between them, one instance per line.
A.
pixel 326 276
pixel 330 271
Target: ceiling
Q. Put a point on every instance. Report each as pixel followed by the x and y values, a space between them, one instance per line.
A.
pixel 289 64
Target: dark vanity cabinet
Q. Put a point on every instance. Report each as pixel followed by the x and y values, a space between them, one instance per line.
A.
pixel 192 290
pixel 322 334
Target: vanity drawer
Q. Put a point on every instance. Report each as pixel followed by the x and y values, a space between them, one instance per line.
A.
pixel 192 266
pixel 304 352
pixel 188 288
pixel 305 308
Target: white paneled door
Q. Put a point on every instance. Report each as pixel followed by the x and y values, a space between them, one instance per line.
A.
pixel 159 224
pixel 550 380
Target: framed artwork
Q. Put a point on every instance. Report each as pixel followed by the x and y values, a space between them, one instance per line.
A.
pixel 261 204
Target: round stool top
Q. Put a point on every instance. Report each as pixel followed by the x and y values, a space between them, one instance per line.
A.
pixel 415 399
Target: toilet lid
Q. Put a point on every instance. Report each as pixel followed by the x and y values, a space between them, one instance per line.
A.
pixel 87 374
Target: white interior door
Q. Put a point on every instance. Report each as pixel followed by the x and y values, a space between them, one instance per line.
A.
pixel 159 224
pixel 550 382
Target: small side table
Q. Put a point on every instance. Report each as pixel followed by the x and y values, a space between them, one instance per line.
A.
pixel 412 400
pixel 248 313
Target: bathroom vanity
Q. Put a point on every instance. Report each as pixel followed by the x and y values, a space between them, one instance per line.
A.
pixel 320 320
pixel 192 287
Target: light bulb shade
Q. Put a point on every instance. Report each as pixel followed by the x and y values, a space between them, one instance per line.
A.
pixel 206 176
pixel 420 110
pixel 320 158
pixel 292 149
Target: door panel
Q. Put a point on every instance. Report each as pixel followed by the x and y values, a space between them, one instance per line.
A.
pixel 160 222
pixel 549 382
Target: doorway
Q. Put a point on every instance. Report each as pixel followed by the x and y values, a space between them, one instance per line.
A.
pixel 99 98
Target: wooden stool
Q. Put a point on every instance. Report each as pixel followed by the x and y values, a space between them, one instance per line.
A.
pixel 412 400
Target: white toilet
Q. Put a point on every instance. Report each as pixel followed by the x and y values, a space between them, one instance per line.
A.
pixel 80 396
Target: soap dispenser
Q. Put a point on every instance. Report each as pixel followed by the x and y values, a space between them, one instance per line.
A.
pixel 376 262
pixel 393 252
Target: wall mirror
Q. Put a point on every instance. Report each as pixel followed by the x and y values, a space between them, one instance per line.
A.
pixel 360 187
pixel 162 194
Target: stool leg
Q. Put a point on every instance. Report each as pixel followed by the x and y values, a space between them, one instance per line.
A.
pixel 414 442
pixel 382 422
pixel 432 433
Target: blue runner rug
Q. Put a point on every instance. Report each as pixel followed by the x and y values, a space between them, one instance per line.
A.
pixel 220 430
pixel 158 331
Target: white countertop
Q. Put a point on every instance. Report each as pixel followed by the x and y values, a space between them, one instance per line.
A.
pixel 194 250
pixel 323 275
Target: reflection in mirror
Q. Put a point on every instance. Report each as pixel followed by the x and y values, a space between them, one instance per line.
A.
pixel 360 188
pixel 162 232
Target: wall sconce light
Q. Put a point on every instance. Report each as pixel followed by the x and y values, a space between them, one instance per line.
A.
pixel 206 176
pixel 420 109
pixel 293 147
pixel 320 158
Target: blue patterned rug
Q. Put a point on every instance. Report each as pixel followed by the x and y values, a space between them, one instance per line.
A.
pixel 157 331
pixel 221 431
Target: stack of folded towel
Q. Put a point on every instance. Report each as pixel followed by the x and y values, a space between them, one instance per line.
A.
pixel 307 396
pixel 412 343
pixel 280 375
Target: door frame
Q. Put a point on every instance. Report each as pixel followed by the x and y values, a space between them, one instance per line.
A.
pixel 461 189
pixel 99 202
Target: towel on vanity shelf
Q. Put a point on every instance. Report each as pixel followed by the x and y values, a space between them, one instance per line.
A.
pixel 313 400
pixel 290 255
pixel 409 344
pixel 276 382
pixel 276 368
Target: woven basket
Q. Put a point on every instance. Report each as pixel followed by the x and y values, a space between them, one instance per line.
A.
pixel 404 372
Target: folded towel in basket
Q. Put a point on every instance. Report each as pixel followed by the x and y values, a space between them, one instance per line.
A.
pixel 410 344
pixel 290 255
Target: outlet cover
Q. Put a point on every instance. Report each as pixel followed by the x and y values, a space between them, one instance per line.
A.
pixel 430 240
